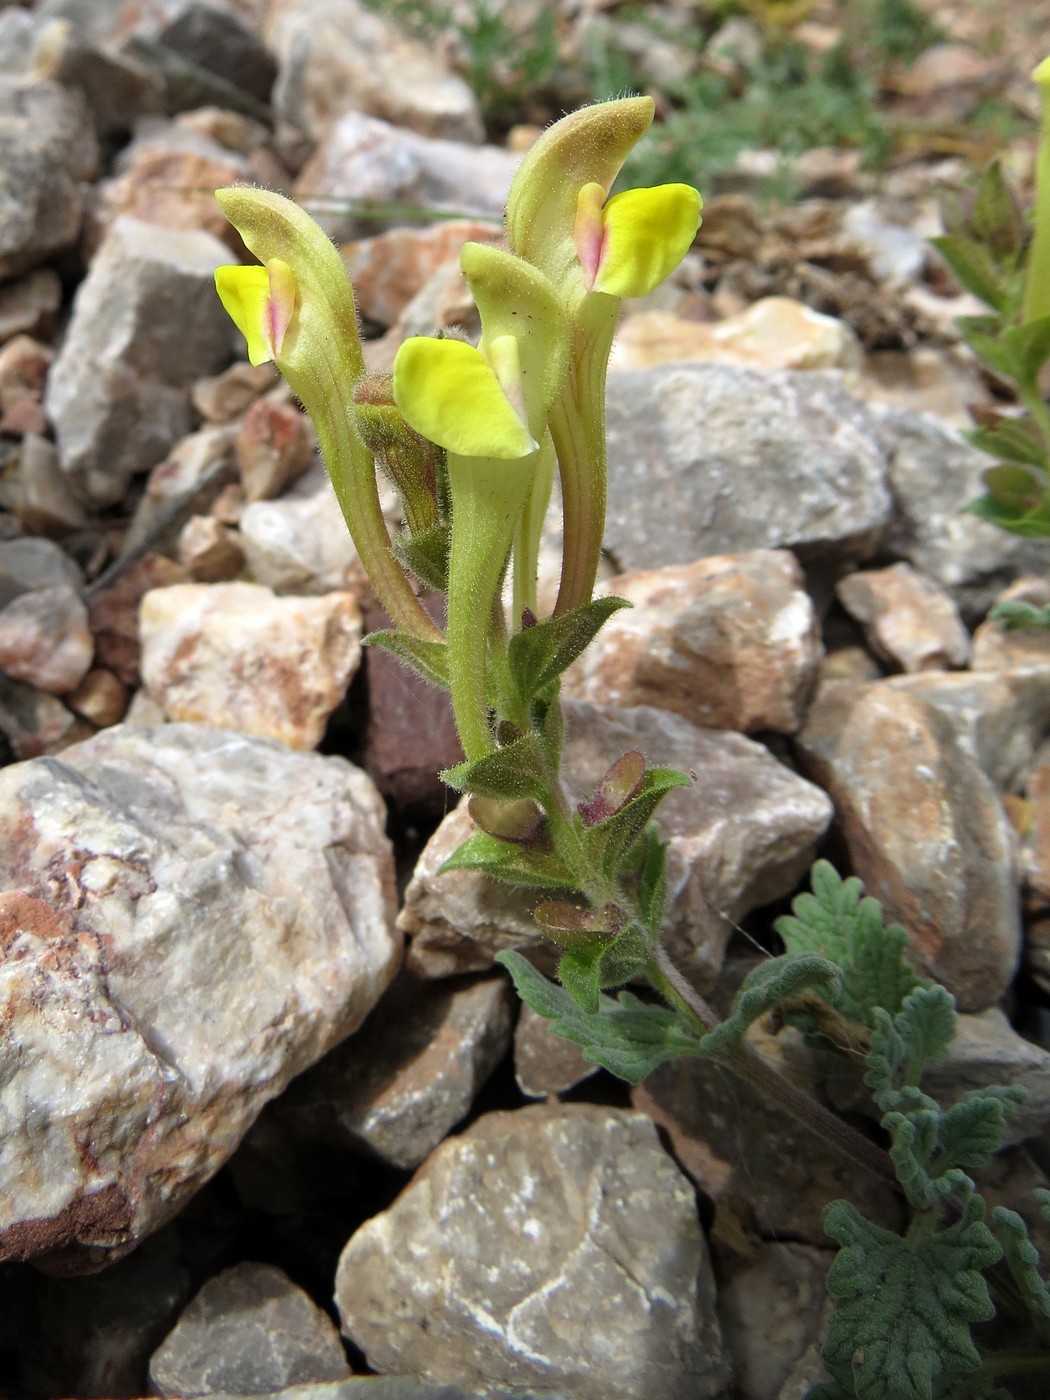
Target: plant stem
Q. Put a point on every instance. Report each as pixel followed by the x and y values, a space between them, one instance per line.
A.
pixel 774 1086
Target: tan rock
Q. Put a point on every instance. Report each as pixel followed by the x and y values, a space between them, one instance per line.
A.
pixel 220 397
pixel 923 379
pixel 997 649
pixel 925 830
pixel 29 304
pixel 189 478
pixel 275 444
pixel 774 333
pixel 729 642
pixel 910 621
pixel 24 363
pixel 34 722
pixel 45 640
pixel 40 493
pixel 209 551
pixel 389 269
pixel 237 656
pixel 101 697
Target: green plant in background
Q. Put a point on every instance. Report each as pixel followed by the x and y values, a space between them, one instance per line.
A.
pixel 995 255
pixel 471 437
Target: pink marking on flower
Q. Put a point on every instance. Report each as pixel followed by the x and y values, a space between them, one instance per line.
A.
pixel 280 304
pixel 588 232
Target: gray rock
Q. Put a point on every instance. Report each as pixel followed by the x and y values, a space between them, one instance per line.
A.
pixel 250 1330
pixel 47 152
pixel 38 494
pixel 712 459
pixel 300 544
pixel 45 640
pixel 385 164
pixel 398 1087
pixel 187 481
pixel 191 918
pixel 545 1063
pixel 999 717
pixel 933 472
pixel 146 324
pixel 557 1246
pixel 772 1309
pixel 987 1050
pixel 217 38
pixel 29 305
pixel 740 837
pixel 27 564
pixel 925 829
pixel 340 56
pixel 32 721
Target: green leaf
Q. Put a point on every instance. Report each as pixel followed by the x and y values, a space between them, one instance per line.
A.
pixel 551 726
pixel 512 771
pixel 652 882
pixel 1014 486
pixel 538 655
pixel 1032 524
pixel 906 1305
pixel 1029 347
pixel 1022 1259
pixel 609 841
pixel 626 1036
pixel 1014 439
pixel 510 862
pixel 773 981
pixel 426 555
pixel 926 1025
pixel 914 1140
pixel 580 973
pixel 997 218
pixel 971 1131
pixel 427 659
pixel 987 344
pixel 837 923
pixel 1014 614
pixel 975 268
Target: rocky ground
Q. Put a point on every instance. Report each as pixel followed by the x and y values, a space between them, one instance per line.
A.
pixel 255 1050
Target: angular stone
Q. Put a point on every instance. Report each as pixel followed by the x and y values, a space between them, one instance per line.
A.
pixel 167 176
pixel 997 648
pixel 925 832
pixel 24 363
pixel 47 152
pixel 209 551
pixel 740 837
pixel 224 396
pixel 100 698
pixel 385 164
pixel 198 467
pixel 771 1310
pixel 769 1177
pixel 910 622
pixel 400 1085
pixel 221 39
pixel 729 642
pixel 29 305
pixel 772 333
pixel 338 56
pixel 113 614
pixel 999 717
pixel 275 444
pixel 545 1063
pixel 607 1289
pixel 932 474
pixel 235 655
pixel 118 393
pixel 388 270
pixel 222 917
pixel 300 544
pixel 32 721
pixel 250 1329
pixel 712 459
pixel 27 564
pixel 45 640
pixel 39 494
pixel 410 734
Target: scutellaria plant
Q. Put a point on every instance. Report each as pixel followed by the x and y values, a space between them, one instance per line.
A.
pixel 471 436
